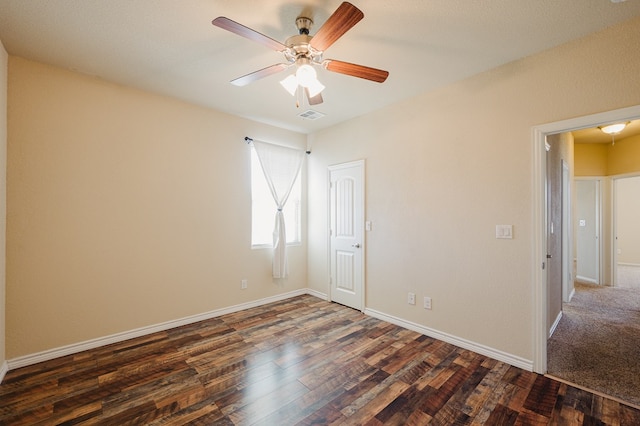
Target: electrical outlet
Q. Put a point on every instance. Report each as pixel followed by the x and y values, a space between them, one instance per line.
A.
pixel 411 298
pixel 244 284
pixel 427 302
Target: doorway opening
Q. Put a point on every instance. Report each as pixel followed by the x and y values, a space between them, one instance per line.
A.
pixel 594 341
pixel 539 265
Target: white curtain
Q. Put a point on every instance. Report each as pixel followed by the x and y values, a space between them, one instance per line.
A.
pixel 281 166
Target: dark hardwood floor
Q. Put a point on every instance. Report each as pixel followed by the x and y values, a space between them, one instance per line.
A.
pixel 300 361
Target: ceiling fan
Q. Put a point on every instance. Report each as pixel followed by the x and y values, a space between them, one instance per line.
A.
pixel 305 52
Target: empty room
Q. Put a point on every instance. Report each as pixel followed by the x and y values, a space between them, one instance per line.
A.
pixel 316 212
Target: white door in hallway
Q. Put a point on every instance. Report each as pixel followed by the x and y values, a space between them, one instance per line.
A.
pixel 346 210
pixel 626 242
pixel 588 230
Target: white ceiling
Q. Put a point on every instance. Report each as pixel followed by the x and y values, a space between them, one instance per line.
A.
pixel 170 47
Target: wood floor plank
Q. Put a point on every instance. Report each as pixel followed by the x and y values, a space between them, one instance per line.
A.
pixel 298 361
pixel 485 398
pixel 368 408
pixel 502 415
pixel 308 403
pixel 542 396
pixel 267 404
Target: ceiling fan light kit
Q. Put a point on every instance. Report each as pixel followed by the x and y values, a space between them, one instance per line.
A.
pixel 305 52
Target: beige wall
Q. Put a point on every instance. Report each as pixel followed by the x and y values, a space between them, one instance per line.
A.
pixel 121 212
pixel 4 59
pixel 444 168
pixel 125 209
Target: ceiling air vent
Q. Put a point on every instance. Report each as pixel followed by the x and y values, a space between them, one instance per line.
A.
pixel 311 115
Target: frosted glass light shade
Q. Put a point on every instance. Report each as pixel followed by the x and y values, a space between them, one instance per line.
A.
pixel 315 88
pixel 306 75
pixel 613 129
pixel 290 84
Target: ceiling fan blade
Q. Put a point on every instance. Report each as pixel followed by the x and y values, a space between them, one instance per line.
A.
pixel 317 99
pixel 257 75
pixel 246 32
pixel 342 20
pixel 354 70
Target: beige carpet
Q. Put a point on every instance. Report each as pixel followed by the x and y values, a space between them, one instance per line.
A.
pixel 628 276
pixel 597 342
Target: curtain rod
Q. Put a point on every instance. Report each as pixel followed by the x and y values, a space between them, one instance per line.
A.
pixel 248 140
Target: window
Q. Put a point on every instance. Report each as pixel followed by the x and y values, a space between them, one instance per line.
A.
pixel 263 209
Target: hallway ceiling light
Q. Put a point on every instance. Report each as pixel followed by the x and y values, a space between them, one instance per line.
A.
pixel 613 129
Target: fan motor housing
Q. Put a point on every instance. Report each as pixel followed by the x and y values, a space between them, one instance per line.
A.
pixel 300 47
pixel 303 24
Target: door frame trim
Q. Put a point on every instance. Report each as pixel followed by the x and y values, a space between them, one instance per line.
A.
pixel 567 234
pixel 539 239
pixel 331 168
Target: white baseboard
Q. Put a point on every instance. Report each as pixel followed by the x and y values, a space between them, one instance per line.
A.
pixel 3 370
pixel 635 265
pixel 586 280
pixel 316 293
pixel 47 355
pixel 510 359
pixel 555 324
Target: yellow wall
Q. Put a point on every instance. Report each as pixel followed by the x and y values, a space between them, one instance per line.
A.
pixel 624 156
pixel 444 168
pixel 608 159
pixel 125 209
pixel 4 58
pixel 591 159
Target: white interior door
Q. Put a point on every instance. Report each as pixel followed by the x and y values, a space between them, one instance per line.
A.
pixel 626 228
pixel 588 231
pixel 346 246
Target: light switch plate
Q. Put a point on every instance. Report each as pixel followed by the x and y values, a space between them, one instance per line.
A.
pixel 504 231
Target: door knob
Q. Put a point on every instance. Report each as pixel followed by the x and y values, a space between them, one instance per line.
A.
pixel 356 245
